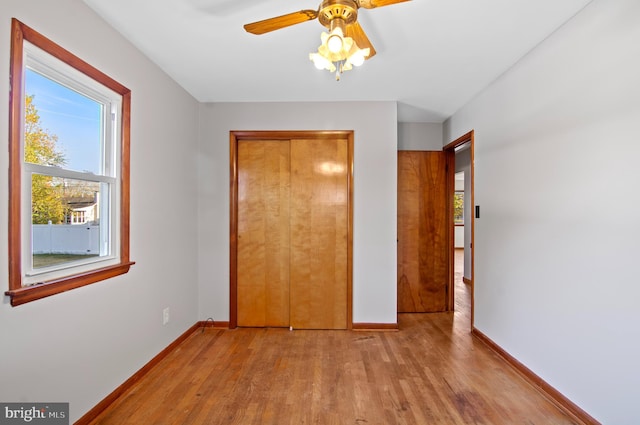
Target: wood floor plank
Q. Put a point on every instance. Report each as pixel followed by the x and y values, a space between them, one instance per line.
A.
pixel 430 372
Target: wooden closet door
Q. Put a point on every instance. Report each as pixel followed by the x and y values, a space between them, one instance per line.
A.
pixel 423 251
pixel 319 226
pixel 263 233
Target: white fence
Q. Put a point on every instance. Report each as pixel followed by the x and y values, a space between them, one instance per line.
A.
pixel 66 239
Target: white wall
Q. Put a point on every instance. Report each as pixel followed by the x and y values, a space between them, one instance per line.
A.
pixel 458 237
pixel 557 174
pixel 419 136
pixel 80 345
pixel 375 185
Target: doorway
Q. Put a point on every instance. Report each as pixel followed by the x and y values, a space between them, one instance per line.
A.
pixel 464 146
pixel 291 222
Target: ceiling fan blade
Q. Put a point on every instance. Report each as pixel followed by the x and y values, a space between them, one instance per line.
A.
pixel 356 32
pixel 283 21
pixel 372 4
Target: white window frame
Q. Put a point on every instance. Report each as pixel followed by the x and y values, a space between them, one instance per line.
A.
pixel 108 177
pixel 78 217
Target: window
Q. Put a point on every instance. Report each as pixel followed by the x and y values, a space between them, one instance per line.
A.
pixel 458 208
pixel 77 217
pixel 68 170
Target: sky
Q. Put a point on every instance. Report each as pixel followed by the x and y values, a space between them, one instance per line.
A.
pixel 74 118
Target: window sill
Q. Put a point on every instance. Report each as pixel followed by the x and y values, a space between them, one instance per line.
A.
pixel 31 293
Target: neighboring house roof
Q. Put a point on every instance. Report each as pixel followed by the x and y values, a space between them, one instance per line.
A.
pixel 79 201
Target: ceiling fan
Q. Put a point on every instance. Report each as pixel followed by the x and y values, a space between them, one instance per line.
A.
pixel 344 45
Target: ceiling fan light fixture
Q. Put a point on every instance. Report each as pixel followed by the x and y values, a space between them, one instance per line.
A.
pixel 341 56
pixel 339 50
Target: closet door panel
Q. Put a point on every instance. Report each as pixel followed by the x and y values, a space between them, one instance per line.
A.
pixel 318 220
pixel 263 233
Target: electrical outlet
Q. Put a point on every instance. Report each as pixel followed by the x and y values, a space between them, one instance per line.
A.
pixel 165 316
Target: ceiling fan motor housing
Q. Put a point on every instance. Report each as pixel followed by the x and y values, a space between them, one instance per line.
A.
pixel 346 10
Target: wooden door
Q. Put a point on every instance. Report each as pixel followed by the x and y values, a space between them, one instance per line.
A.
pixel 263 233
pixel 319 220
pixel 291 232
pixel 423 232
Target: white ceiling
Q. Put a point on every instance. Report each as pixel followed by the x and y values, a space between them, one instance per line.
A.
pixel 433 55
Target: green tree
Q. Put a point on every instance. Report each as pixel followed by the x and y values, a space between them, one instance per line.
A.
pixel 40 148
pixel 458 207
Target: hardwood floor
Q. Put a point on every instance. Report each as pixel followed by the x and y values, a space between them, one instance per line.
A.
pixel 432 371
